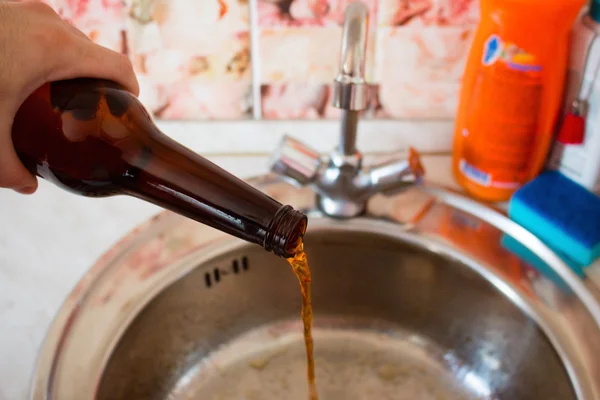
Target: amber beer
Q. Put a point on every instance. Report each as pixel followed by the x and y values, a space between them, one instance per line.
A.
pixel 94 138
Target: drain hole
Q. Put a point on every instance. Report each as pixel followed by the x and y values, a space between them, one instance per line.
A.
pixel 207 279
pixel 236 266
pixel 245 263
pixel 217 275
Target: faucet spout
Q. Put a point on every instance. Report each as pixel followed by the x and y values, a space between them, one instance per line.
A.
pixel 350 87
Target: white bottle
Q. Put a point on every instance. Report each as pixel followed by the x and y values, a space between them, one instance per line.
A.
pixel 581 162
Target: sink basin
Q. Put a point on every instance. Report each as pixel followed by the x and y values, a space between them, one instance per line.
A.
pixel 429 296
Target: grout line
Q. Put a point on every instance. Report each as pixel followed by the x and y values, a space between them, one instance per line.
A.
pixel 216 122
pixel 255 59
pixel 374 153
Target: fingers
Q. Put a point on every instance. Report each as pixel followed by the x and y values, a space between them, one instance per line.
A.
pixel 13 174
pixel 64 52
pixel 69 53
pixel 82 58
pixel 78 32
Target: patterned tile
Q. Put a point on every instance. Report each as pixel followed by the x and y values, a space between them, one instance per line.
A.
pixel 420 70
pixel 294 100
pixel 102 20
pixel 457 12
pixel 406 12
pixel 425 54
pixel 419 13
pixel 197 99
pixel 419 100
pixel 192 58
pixel 305 13
pixel 305 54
pixel 299 55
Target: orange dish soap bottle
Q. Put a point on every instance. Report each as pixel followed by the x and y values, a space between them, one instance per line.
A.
pixel 511 94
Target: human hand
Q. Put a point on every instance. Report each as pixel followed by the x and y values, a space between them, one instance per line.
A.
pixel 37 46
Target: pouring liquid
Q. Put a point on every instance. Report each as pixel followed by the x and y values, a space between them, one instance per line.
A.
pixel 299 264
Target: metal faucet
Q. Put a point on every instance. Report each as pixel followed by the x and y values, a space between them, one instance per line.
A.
pixel 342 185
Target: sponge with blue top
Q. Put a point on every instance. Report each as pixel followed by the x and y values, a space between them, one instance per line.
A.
pixel 562 214
pixel 525 254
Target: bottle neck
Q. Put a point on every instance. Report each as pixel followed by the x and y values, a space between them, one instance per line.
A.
pixel 175 178
pixel 285 232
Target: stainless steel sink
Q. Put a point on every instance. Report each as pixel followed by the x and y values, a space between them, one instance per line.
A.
pixel 422 298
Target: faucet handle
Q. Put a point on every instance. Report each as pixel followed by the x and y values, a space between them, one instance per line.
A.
pixel 295 162
pixel 394 175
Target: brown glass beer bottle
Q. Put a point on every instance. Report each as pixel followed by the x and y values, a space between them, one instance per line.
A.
pixel 94 138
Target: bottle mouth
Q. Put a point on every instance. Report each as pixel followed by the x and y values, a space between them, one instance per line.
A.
pixel 285 232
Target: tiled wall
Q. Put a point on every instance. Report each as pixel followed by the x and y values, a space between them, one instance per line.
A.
pixel 194 57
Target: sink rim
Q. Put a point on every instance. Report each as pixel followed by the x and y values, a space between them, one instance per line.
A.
pixel 213 242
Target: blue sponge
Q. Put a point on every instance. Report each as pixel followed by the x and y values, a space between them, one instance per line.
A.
pixel 517 248
pixel 562 214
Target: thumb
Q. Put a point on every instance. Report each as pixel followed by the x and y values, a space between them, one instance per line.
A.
pixel 13 174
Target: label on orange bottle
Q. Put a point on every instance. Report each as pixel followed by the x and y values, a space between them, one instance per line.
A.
pixel 502 122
